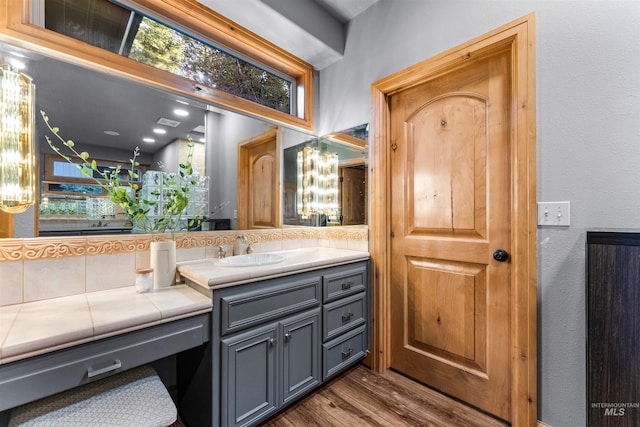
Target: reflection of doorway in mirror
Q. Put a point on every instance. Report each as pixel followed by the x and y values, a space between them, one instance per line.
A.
pixel 352 194
pixel 259 181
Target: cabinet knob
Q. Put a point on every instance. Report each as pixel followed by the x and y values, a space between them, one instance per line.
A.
pixel 347 353
pixel 287 336
pixel 272 342
pixel 347 317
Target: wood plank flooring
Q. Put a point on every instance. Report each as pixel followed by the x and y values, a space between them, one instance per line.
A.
pixel 365 398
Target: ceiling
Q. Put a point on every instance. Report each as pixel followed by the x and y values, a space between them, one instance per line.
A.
pixel 346 10
pixel 313 30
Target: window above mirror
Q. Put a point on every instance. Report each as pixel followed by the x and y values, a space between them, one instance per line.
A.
pixel 282 83
pixel 127 32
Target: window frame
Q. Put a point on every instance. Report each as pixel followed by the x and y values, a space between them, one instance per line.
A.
pixel 188 15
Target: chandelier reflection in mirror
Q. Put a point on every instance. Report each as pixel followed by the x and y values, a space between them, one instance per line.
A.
pixel 318 186
pixel 17 161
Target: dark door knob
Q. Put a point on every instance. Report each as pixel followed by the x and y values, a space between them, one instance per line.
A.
pixel 501 255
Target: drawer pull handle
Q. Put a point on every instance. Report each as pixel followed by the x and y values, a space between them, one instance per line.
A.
pixel 347 317
pixel 347 285
pixel 347 353
pixel 95 372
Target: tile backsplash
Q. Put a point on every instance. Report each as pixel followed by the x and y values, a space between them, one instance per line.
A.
pixel 43 268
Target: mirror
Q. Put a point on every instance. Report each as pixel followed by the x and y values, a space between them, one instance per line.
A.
pixel 325 180
pixel 108 117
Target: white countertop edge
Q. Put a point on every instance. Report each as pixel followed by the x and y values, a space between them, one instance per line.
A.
pixel 224 282
pixel 43 350
pixel 147 325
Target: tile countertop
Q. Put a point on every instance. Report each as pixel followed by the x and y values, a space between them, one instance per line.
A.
pixel 39 327
pixel 211 275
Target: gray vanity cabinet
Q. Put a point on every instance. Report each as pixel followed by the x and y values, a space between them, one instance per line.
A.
pixel 276 340
pixel 249 376
pixel 344 317
pixel 267 367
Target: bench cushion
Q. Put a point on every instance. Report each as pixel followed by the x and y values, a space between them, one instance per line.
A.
pixel 135 398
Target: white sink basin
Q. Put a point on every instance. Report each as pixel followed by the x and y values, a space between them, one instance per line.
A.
pixel 251 260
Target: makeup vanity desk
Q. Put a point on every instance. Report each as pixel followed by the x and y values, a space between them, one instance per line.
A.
pixel 54 345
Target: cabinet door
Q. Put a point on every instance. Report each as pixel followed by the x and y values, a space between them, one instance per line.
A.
pixel 613 330
pixel 248 374
pixel 301 354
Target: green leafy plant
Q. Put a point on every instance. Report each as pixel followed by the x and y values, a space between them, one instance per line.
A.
pixel 175 189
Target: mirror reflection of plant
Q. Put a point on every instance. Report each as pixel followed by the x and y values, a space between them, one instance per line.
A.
pixel 174 192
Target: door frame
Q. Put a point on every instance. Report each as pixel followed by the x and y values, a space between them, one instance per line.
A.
pixel 273 132
pixel 519 37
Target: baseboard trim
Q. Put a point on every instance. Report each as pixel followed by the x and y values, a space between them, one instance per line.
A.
pixel 541 424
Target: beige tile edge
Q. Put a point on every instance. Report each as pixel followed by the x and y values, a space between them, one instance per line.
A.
pixel 61 346
pixel 60 247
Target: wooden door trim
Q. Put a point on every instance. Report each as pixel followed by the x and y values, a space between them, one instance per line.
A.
pixel 274 132
pixel 6 225
pixel 519 37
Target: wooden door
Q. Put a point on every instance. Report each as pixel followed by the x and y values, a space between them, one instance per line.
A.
pixel 259 181
pixel 450 210
pixel 352 195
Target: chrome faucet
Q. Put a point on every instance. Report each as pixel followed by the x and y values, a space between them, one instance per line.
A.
pixel 221 252
pixel 241 239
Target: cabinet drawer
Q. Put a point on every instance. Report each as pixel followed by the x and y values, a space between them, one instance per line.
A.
pixel 34 378
pixel 343 315
pixel 343 352
pixel 347 280
pixel 263 302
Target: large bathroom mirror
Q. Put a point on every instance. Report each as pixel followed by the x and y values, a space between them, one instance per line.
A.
pixel 108 117
pixel 108 105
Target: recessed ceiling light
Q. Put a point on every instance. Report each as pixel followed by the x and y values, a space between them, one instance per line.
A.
pixel 149 140
pixel 111 132
pixel 180 112
pixel 159 131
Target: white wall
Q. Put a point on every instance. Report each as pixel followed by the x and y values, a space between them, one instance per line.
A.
pixel 588 145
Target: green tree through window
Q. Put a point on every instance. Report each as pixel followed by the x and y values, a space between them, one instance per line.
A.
pixel 167 49
pixel 103 24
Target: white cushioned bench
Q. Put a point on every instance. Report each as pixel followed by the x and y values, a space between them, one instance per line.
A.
pixel 135 398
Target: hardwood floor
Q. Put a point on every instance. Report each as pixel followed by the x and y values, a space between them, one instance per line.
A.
pixel 365 398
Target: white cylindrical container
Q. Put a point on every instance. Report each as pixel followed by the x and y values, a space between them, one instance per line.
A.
pixel 163 262
pixel 144 280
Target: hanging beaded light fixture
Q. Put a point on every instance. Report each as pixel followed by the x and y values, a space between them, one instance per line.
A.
pixel 17 133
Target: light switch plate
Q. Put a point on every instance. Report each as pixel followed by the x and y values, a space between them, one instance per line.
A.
pixel 554 213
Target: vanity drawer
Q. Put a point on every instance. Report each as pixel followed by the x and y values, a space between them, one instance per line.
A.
pixel 343 352
pixel 343 315
pixel 37 377
pixel 250 305
pixel 346 280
